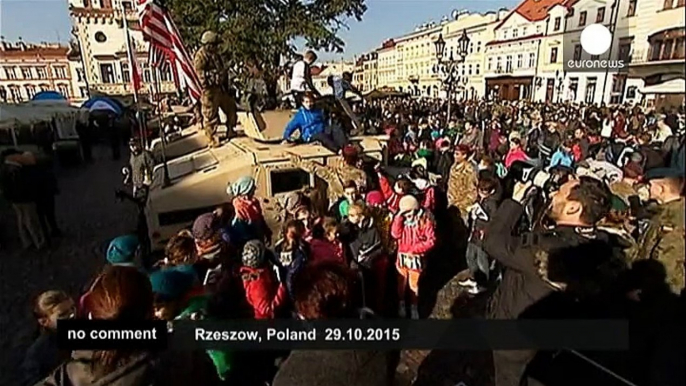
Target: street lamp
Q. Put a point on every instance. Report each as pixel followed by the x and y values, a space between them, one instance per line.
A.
pixel 448 69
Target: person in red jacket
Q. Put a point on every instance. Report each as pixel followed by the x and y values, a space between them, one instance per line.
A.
pixel 393 194
pixel 414 229
pixel 263 291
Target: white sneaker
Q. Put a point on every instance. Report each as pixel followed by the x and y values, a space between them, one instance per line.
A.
pixel 476 290
pixel 467 283
pixel 414 312
pixel 402 311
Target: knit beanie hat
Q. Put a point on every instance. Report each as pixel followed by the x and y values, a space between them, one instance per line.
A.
pixel 171 284
pixel 205 226
pixel 408 203
pixel 253 254
pixel 242 186
pixel 122 250
pixel 375 197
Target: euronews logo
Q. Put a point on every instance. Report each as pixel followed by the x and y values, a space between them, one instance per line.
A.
pixel 593 52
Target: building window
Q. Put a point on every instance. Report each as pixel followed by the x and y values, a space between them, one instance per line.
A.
pixel 80 75
pixel 60 72
pixel 127 5
pixel 524 30
pixel 42 72
pixel 107 73
pixel 508 63
pixel 532 60
pixel 478 46
pixel 553 55
pixel 590 89
pixel 582 18
pixel 64 90
pixel 100 37
pixel 600 16
pixel 30 91
pixel 624 51
pixel 631 10
pixel 125 73
pixel 577 52
pixel 146 76
pixel 470 70
pixel 11 73
pixel 498 66
pixel 478 69
pixel 26 73
pixel 489 67
pixel 44 87
pixel 15 94
pixel 520 60
pixel 558 24
pixel 573 87
pixel 515 33
pixel 631 92
pixel 83 92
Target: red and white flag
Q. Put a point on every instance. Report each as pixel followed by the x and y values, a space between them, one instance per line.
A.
pixel 159 29
pixel 134 68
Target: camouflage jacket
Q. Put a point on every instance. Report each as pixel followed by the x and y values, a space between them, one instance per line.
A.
pixel 336 176
pixel 462 182
pixel 663 240
pixel 208 65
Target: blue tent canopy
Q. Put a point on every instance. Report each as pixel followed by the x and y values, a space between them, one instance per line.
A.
pixel 103 103
pixel 48 96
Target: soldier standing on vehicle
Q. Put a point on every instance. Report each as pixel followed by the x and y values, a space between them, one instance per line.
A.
pixel 215 88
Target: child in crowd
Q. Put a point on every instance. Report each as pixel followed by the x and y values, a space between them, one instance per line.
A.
pixel 392 195
pixel 44 355
pixel 308 219
pixel 419 175
pixel 249 221
pixel 368 254
pixel 291 253
pixel 325 245
pixel 123 251
pixel 478 262
pixel 351 193
pixel 563 156
pixel 263 291
pixel 515 153
pixel 414 229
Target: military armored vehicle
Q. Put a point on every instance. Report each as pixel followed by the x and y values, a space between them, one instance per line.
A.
pixel 199 180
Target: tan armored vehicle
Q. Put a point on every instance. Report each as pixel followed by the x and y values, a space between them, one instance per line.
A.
pixel 199 180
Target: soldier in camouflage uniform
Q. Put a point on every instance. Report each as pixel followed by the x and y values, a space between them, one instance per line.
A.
pixel 462 181
pixel 662 238
pixel 214 80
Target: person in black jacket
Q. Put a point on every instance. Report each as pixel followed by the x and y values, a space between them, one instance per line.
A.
pixel 575 208
pixel 362 235
pixel 45 198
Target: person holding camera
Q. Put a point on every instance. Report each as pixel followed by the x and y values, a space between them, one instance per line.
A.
pixel 574 208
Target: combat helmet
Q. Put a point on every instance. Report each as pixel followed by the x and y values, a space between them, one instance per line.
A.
pixel 209 37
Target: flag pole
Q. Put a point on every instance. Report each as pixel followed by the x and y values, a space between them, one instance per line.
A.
pixel 132 64
pixel 163 137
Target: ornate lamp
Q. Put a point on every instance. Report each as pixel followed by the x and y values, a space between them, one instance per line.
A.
pixel 463 43
pixel 439 45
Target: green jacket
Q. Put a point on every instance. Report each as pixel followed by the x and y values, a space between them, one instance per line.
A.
pixel 197 309
pixel 663 240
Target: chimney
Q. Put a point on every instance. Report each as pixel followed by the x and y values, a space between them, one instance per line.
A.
pixel 20 44
pixel 3 44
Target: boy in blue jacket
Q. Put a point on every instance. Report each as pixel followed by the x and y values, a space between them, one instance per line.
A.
pixel 311 123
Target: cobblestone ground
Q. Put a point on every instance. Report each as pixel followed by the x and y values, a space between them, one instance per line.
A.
pixel 89 216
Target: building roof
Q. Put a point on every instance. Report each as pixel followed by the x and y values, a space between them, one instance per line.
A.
pixel 52 51
pixel 535 10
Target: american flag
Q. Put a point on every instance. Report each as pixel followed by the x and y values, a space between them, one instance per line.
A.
pixel 159 29
pixel 134 68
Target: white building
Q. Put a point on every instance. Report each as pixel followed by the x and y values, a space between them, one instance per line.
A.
pixel 514 55
pixel 98 27
pixel 386 64
pixel 480 29
pixel 319 77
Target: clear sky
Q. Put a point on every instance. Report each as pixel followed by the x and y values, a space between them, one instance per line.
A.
pixel 48 20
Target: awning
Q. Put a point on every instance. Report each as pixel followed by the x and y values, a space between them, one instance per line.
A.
pixel 674 86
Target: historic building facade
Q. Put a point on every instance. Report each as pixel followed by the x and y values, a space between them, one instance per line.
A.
pixel 98 26
pixel 26 69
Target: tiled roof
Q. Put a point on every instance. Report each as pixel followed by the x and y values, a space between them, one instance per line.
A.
pixel 33 52
pixel 536 10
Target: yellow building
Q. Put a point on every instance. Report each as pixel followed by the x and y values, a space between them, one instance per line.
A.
pixel 415 57
pixel 386 65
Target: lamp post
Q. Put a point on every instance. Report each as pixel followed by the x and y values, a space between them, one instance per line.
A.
pixel 447 69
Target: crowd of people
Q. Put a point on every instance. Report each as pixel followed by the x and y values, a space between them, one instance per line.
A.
pixel 553 211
